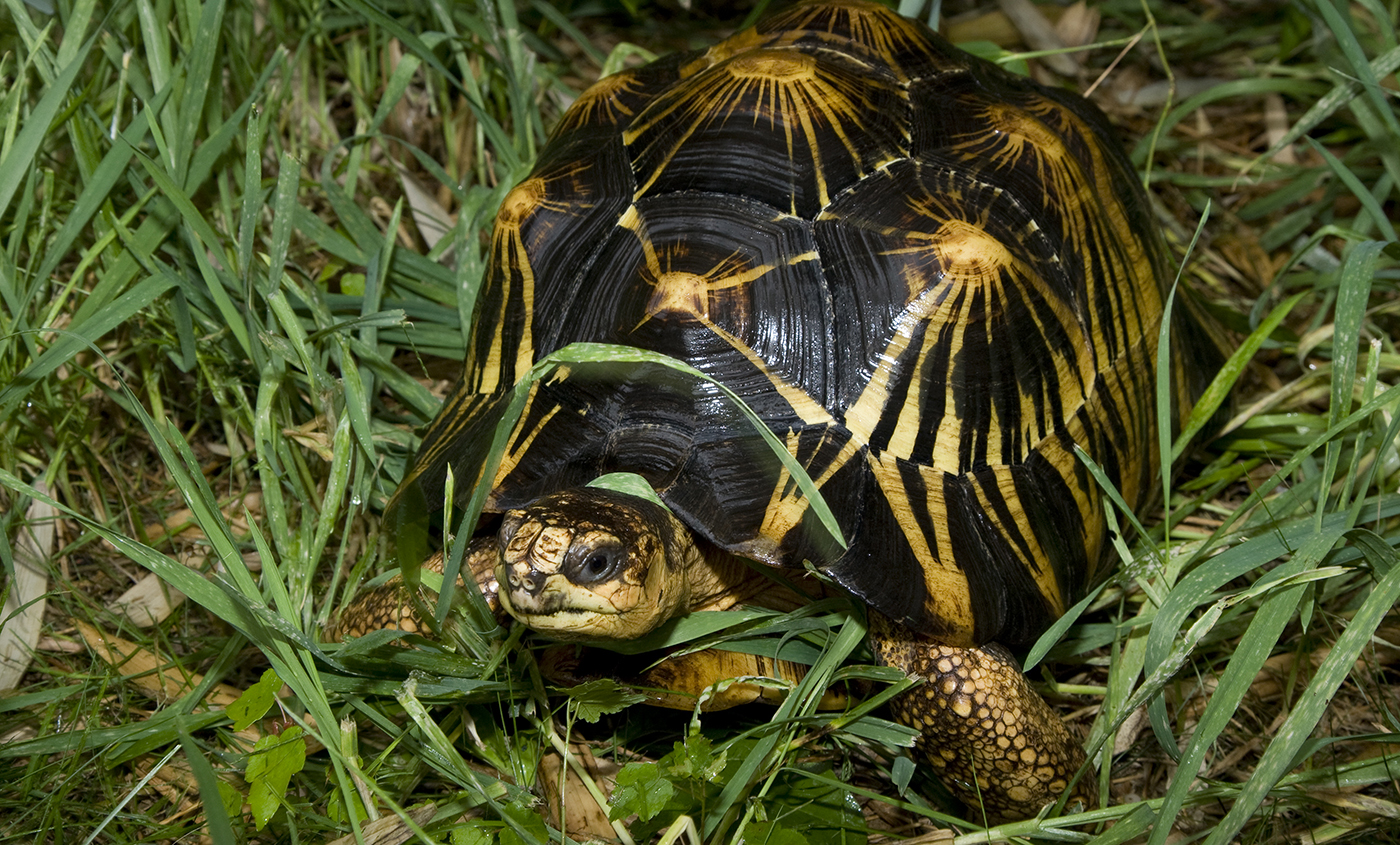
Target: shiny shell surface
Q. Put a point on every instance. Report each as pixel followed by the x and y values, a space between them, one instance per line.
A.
pixel 930 279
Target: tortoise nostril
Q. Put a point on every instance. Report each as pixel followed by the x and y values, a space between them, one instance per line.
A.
pixel 530 581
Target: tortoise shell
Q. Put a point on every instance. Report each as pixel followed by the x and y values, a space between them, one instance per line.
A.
pixel 928 278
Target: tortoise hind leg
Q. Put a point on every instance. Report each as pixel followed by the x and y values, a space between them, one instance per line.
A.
pixel 986 732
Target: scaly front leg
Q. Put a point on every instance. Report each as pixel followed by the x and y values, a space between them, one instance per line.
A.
pixel 388 606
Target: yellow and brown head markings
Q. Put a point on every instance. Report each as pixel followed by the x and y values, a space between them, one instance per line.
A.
pixel 593 564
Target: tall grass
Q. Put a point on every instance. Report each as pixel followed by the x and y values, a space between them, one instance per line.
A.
pixel 237 239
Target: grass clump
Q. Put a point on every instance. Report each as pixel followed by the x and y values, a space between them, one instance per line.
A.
pixel 238 249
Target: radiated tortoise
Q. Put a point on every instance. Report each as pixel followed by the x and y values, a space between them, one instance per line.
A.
pixel 928 279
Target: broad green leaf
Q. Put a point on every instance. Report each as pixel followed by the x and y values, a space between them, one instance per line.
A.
pixel 275 759
pixel 255 701
pixel 641 789
pixel 600 697
pixel 630 484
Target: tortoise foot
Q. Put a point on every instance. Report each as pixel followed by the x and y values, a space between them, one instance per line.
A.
pixel 985 731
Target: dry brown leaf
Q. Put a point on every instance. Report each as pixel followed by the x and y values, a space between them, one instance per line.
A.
pixel 182 520
pixel 1040 34
pixel 390 830
pixel 23 613
pixel 154 675
pixel 150 672
pixel 151 600
pixel 1276 127
pixel 1357 803
pixel 583 818
pixel 1129 732
pixel 1079 25
pixel 992 26
pixel 433 221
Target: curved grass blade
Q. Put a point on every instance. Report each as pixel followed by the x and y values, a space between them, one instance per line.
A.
pixel 1278 758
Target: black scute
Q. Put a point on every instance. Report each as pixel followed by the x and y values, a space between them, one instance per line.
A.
pixel 585 183
pixel 908 53
pixel 783 315
pixel 628 92
pixel 692 443
pixel 1006 602
pixel 715 134
pixel 874 246
pixel 879 566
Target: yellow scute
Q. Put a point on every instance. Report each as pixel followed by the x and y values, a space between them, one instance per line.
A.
pixel 777 65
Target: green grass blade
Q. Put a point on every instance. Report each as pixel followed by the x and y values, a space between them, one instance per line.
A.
pixel 1346 90
pixel 219 826
pixel 1353 292
pixel 19 157
pixel 80 337
pixel 1218 391
pixel 1368 200
pixel 1258 643
pixel 198 68
pixel 1278 758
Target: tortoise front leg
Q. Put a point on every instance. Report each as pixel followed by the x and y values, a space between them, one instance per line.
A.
pixel 986 732
pixel 389 607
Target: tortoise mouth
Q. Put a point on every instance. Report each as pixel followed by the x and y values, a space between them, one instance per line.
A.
pixel 566 611
pixel 558 604
pixel 530 609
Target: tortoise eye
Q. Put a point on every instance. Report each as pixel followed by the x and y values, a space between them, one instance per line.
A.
pixel 594 563
pixel 597 565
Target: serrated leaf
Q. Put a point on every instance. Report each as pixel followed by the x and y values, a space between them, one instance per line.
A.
pixel 601 697
pixel 695 759
pixel 274 760
pixel 255 701
pixel 641 789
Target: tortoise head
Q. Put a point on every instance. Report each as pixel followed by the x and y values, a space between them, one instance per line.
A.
pixel 593 564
